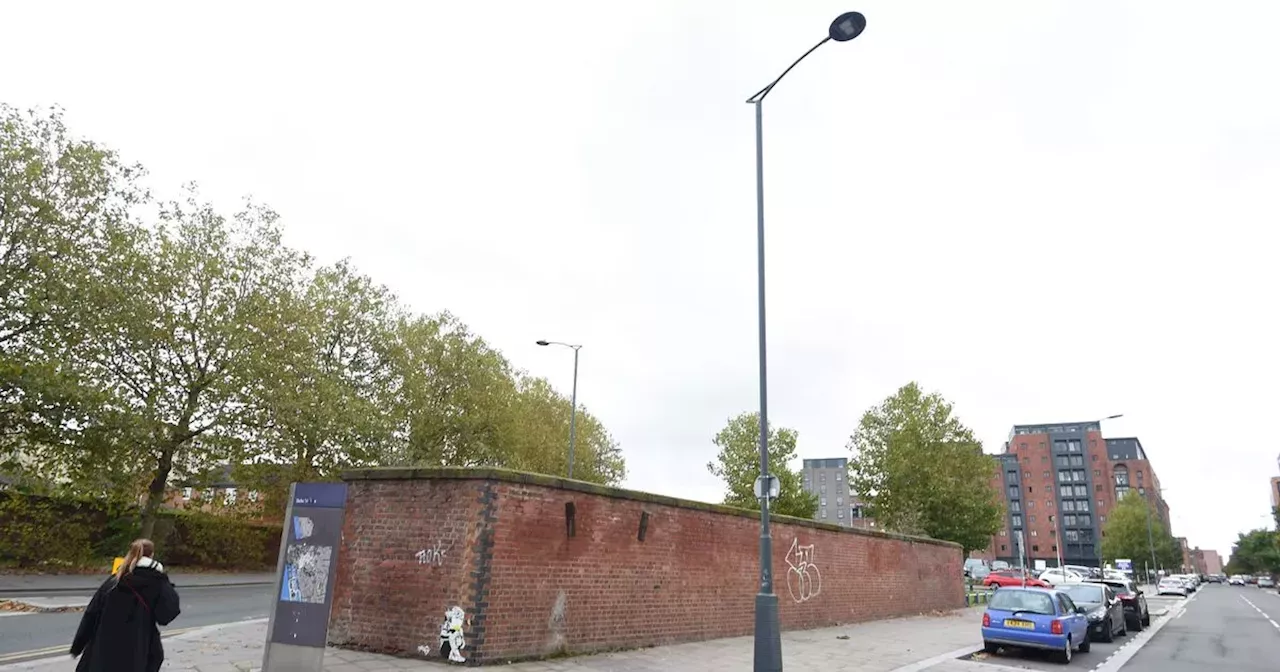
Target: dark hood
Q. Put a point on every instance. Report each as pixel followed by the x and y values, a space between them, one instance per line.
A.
pixel 144 577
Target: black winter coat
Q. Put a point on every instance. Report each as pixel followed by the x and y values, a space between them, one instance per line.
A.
pixel 118 632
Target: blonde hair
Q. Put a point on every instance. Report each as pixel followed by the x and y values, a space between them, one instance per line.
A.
pixel 139 549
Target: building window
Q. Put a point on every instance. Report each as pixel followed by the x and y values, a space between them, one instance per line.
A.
pixel 1048 475
pixel 1015 506
pixel 1121 492
pixel 1035 547
pixel 1055 548
pixel 1082 491
pixel 1086 519
pixel 1083 505
pixel 1003 548
pixel 1051 519
pixel 1068 505
pixel 1030 489
pixel 1031 519
pixel 1077 460
pixel 1064 490
pixel 1013 477
pixel 1044 458
pixel 1097 473
pixel 840 512
pixel 1069 520
pixel 1022 445
pixel 840 502
pixel 823 477
pixel 1013 492
pixel 1099 504
pixel 837 478
pixel 1064 475
pixel 1139 475
pixel 1078 475
pixel 1071 535
pixel 1062 461
pixel 824 511
pixel 187 492
pixel 1121 473
pixel 1004 533
pixel 229 497
pixel 1017 521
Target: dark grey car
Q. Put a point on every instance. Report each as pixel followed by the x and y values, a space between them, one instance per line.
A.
pixel 1102 606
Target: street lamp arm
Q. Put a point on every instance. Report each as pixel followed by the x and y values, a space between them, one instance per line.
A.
pixel 567 345
pixel 765 91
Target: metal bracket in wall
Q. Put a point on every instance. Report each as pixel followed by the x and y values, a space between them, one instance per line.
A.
pixel 644 525
pixel 569 524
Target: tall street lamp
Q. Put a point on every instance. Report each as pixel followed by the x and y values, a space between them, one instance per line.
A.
pixel 768 634
pixel 573 413
pixel 1151 545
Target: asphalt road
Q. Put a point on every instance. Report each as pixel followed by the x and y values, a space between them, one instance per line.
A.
pixel 1224 628
pixel 200 606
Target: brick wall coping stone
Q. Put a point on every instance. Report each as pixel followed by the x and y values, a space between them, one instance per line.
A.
pixel 556 482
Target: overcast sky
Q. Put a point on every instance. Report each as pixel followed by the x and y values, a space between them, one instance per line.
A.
pixel 1046 211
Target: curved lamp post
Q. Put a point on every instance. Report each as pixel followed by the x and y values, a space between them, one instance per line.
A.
pixel 768 635
pixel 573 413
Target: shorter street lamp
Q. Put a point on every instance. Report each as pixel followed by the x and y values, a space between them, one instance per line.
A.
pixel 573 413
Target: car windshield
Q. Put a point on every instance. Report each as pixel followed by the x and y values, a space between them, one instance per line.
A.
pixel 1084 593
pixel 1008 599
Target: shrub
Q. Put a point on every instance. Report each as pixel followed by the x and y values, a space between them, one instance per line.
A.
pixel 47 532
pixel 44 531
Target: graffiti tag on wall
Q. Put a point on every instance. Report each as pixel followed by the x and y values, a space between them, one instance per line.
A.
pixel 431 556
pixel 804 581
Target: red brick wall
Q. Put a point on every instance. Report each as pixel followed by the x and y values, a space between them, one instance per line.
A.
pixel 531 590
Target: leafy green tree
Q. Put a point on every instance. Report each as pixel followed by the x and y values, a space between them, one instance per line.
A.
pixel 1124 535
pixel 1256 552
pixel 535 436
pixel 175 347
pixel 60 197
pixel 323 391
pixel 738 465
pixel 919 470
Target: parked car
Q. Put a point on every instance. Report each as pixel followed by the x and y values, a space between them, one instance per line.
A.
pixel 1136 614
pixel 997 565
pixel 1035 618
pixel 1172 586
pixel 1002 578
pixel 1266 582
pixel 1056 576
pixel 1086 572
pixel 1104 610
pixel 976 569
pixel 1236 580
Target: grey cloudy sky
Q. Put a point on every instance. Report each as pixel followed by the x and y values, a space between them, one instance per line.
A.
pixel 1047 211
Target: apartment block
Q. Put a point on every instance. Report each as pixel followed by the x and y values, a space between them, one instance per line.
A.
pixel 1058 482
pixel 828 478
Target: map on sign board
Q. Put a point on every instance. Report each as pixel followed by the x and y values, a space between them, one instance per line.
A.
pixel 306 573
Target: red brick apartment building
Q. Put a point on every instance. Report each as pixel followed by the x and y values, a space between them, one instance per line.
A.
pixel 1058 482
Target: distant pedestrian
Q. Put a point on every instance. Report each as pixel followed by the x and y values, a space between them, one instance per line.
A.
pixel 118 632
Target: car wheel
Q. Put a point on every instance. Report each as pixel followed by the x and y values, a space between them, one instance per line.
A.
pixel 1146 618
pixel 1064 656
pixel 1137 624
pixel 1108 631
pixel 1086 645
pixel 990 647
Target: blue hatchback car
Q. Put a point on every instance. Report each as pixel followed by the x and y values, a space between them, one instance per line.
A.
pixel 1035 618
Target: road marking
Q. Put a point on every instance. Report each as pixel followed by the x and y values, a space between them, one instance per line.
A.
pixel 936 660
pixel 1117 660
pixel 1262 613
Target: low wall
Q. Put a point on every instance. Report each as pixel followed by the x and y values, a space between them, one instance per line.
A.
pixel 542 566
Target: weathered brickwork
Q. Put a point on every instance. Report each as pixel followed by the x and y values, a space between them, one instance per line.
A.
pixel 535 583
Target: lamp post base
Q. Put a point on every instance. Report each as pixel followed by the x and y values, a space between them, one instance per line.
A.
pixel 768 634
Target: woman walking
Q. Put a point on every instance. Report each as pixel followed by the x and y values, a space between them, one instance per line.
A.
pixel 119 630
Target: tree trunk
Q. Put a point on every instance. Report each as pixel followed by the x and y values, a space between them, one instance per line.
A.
pixel 156 491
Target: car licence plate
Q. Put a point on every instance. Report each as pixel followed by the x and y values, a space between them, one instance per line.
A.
pixel 1020 625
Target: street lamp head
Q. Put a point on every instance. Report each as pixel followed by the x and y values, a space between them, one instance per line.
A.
pixel 544 342
pixel 847 26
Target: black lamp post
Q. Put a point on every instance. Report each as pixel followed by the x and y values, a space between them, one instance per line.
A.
pixel 768 634
pixel 573 401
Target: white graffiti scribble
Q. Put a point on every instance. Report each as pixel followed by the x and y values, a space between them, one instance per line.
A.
pixel 804 581
pixel 431 556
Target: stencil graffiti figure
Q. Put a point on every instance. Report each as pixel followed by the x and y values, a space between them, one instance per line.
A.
pixel 804 581
pixel 451 639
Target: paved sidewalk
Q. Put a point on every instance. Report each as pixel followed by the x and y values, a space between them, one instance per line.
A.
pixel 31 584
pixel 878 646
